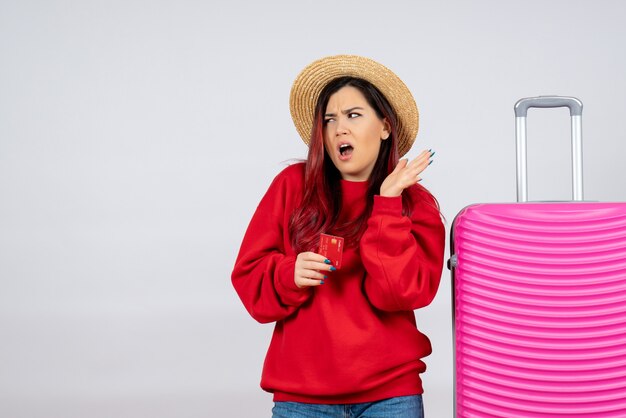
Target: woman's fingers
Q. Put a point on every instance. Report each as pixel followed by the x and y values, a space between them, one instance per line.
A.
pixel 419 164
pixel 405 174
pixel 400 166
pixel 303 282
pixel 411 172
pixel 311 269
pixel 314 261
pixel 309 274
pixel 423 159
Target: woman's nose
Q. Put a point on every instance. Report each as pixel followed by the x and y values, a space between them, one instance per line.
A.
pixel 342 129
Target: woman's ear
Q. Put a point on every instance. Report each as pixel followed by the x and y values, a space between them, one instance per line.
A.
pixel 386 130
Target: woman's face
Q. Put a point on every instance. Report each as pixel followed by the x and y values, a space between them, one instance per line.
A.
pixel 353 133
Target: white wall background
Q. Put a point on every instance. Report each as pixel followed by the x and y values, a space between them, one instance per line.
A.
pixel 137 137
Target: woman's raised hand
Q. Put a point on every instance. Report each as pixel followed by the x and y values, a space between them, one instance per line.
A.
pixel 405 174
pixel 308 268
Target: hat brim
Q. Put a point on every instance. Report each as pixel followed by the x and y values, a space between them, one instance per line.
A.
pixel 313 78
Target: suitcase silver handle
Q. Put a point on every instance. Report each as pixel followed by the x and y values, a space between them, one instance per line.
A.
pixel 521 110
pixel 522 105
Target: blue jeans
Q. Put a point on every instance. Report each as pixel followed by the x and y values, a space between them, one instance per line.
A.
pixel 399 407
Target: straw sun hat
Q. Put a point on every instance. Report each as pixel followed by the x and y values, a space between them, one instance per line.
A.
pixel 310 82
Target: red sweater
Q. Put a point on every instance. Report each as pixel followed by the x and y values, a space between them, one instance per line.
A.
pixel 354 338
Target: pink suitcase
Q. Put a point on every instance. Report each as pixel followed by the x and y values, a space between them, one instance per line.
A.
pixel 540 299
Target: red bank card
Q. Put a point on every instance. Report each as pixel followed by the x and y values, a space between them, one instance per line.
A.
pixel 331 247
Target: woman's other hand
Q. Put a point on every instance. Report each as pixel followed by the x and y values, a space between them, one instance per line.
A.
pixel 308 269
pixel 405 174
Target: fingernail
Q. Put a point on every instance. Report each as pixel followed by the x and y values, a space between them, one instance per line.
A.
pixel 325 277
pixel 333 268
pixel 322 282
pixel 431 161
pixel 430 150
pixel 327 261
pixel 432 153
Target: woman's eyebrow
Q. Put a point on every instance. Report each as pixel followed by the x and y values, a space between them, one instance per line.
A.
pixel 352 109
pixel 345 112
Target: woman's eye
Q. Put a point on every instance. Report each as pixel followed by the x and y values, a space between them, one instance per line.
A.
pixel 353 115
pixel 328 120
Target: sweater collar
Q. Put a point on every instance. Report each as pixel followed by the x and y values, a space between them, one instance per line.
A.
pixel 354 189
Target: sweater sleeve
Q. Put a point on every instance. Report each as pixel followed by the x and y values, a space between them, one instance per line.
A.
pixel 403 256
pixel 263 275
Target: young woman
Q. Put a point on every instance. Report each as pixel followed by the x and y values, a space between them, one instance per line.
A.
pixel 345 341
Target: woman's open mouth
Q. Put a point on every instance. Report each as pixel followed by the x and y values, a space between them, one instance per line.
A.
pixel 345 151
